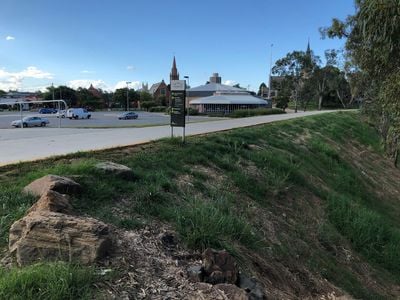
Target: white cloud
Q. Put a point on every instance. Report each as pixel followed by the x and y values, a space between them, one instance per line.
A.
pixel 87 72
pixel 85 83
pixel 14 80
pixel 229 82
pixel 10 38
pixel 130 68
pixel 122 84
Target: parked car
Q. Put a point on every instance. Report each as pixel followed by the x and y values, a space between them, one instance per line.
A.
pixel 30 122
pixel 47 111
pixel 62 113
pixel 128 115
pixel 78 113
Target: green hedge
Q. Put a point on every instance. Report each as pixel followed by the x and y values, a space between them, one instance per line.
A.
pixel 242 113
pixel 158 109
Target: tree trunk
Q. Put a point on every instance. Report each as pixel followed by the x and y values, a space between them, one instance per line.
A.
pixel 340 98
pixel 319 102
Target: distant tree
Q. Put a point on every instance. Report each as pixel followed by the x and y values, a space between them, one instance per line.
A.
pixel 61 92
pixel 2 93
pixel 145 96
pixel 87 99
pixel 296 67
pixel 120 97
pixel 148 104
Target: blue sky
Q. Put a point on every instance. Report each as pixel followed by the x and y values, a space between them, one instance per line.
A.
pixel 106 42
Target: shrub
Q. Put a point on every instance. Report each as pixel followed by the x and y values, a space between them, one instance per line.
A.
pixel 158 109
pixel 242 113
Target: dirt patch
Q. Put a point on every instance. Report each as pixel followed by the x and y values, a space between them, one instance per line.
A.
pixel 152 267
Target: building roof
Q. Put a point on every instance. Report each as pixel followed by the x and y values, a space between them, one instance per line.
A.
pixel 154 87
pixel 215 87
pixel 244 99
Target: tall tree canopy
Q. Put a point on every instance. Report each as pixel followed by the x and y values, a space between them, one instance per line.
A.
pixel 373 50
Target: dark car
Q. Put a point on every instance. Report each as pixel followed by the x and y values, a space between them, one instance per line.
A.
pixel 47 111
pixel 128 115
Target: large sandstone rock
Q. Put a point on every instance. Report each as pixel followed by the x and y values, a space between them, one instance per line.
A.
pixel 115 169
pixel 46 235
pixel 219 267
pixel 56 183
pixel 52 201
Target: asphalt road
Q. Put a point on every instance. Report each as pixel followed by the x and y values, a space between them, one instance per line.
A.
pixel 29 144
pixel 97 120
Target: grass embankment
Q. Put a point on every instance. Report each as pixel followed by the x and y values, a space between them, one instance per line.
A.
pixel 56 281
pixel 309 198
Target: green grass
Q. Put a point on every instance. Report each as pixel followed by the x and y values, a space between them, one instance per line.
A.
pixel 50 281
pixel 272 169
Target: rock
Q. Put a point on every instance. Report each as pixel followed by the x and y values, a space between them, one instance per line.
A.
pixel 52 201
pixel 252 287
pixel 49 236
pixel 232 291
pixel 56 183
pixel 219 267
pixel 118 170
pixel 195 273
pixel 169 240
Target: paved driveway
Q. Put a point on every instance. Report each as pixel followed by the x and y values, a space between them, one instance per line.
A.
pixel 37 143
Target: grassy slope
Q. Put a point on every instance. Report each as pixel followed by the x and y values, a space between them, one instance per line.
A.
pixel 296 202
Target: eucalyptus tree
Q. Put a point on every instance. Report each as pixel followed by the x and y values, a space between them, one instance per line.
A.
pixel 373 47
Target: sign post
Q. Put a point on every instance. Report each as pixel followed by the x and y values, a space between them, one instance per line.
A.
pixel 178 106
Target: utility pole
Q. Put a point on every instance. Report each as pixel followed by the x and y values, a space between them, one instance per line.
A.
pixel 270 71
pixel 52 89
pixel 127 95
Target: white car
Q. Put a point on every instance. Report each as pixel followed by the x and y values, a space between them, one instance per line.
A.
pixel 78 113
pixel 61 113
pixel 30 122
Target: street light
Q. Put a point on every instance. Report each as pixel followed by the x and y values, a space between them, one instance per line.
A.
pixel 127 95
pixel 270 71
pixel 187 77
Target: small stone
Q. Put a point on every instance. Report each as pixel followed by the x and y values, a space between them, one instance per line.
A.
pixel 252 287
pixel 195 273
pixel 219 267
pixel 232 291
pixel 63 185
pixel 169 240
pixel 118 170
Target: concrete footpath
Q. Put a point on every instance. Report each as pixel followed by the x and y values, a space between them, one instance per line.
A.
pixel 28 144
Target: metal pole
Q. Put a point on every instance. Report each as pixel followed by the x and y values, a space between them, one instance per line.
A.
pixel 127 95
pixel 52 88
pixel 183 136
pixel 20 108
pixel 270 71
pixel 187 108
pixel 59 113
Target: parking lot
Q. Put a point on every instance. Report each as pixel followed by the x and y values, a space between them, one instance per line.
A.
pixel 101 119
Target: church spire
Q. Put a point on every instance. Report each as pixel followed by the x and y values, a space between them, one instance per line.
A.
pixel 308 52
pixel 174 75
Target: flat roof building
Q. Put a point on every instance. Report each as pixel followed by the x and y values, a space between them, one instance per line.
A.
pixel 222 102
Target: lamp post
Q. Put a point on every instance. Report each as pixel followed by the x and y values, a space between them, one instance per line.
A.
pixel 270 71
pixel 127 95
pixel 187 77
